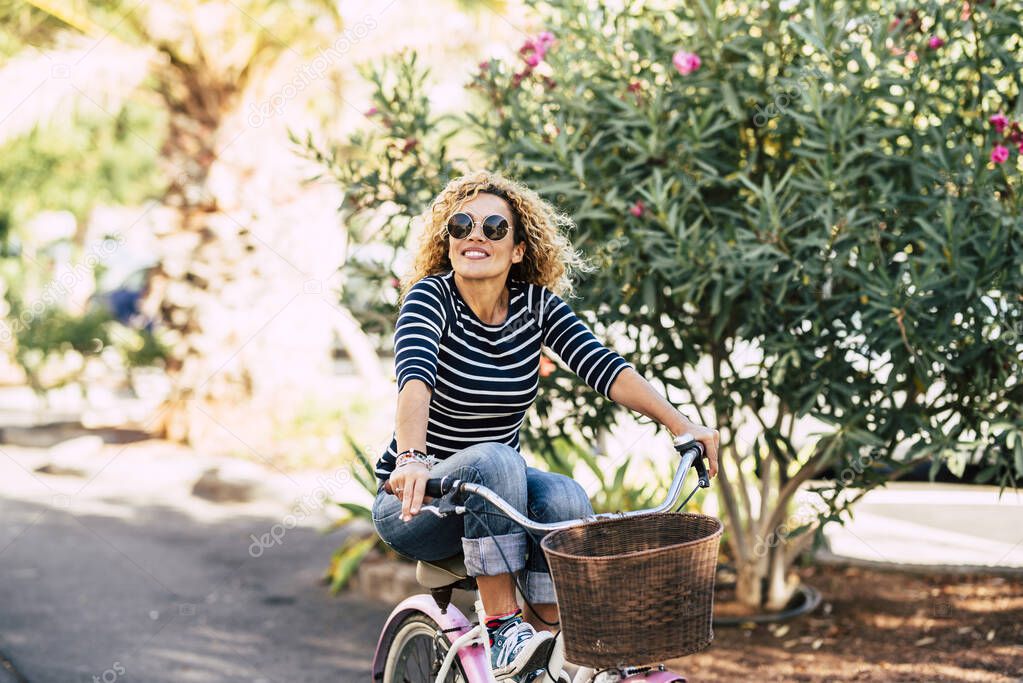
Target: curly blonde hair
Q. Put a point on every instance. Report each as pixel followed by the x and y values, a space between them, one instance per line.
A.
pixel 549 260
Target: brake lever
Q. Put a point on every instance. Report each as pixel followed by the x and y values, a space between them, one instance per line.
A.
pixel 685 444
pixel 443 507
pixel 701 472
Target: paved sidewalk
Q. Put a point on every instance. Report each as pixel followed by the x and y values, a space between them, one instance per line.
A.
pixel 122 573
pixel 922 524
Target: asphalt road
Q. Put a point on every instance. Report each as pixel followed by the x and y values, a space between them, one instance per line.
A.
pixel 99 586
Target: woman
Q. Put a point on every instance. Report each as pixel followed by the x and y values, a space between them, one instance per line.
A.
pixel 482 299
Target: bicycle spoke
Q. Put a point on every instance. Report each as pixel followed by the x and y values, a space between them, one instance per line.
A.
pixel 417 656
pixel 424 658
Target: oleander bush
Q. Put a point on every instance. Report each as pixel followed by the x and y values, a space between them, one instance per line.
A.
pixel 806 222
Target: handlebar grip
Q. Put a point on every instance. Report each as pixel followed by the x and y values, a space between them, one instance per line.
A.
pixel 436 488
pixel 685 444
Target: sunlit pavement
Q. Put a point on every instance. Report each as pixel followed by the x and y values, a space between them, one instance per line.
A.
pixel 159 585
pixel 917 523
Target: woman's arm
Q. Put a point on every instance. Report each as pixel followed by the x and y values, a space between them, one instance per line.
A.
pixel 408 482
pixel 614 377
pixel 567 335
pixel 413 415
pixel 631 390
pixel 417 334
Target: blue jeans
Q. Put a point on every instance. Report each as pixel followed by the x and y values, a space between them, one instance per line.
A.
pixel 541 496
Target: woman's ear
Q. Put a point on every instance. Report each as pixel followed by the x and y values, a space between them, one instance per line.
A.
pixel 519 252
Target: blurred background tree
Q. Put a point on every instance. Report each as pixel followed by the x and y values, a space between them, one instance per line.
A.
pixel 222 267
pixel 56 168
pixel 240 276
pixel 807 233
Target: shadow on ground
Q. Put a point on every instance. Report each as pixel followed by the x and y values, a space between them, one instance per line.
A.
pixel 149 593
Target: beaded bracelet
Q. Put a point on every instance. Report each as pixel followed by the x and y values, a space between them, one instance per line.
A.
pixel 413 455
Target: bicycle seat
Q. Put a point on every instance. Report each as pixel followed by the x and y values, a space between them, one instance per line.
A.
pixel 441 573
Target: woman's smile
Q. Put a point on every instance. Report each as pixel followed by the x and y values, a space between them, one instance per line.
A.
pixel 475 253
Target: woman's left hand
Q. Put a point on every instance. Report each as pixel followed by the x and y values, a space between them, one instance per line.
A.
pixel 709 437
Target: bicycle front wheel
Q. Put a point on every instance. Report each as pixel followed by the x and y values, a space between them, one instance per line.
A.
pixel 415 652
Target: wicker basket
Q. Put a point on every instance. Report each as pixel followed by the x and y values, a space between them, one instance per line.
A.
pixel 636 590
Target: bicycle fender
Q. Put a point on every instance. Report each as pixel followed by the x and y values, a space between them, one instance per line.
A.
pixel 452 621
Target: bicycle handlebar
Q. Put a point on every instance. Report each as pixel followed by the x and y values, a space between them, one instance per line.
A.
pixel 691 453
pixel 437 488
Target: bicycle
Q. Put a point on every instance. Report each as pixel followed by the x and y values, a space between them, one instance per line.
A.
pixel 427 639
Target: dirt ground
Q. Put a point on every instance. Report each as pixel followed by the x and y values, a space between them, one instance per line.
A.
pixel 880 626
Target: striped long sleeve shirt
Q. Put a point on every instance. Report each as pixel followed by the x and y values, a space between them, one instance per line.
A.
pixel 484 377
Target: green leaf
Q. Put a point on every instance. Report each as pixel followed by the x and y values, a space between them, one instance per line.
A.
pixel 347 558
pixel 810 38
pixel 732 101
pixel 355 510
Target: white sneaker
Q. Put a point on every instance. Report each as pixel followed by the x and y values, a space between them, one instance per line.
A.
pixel 556 662
pixel 518 648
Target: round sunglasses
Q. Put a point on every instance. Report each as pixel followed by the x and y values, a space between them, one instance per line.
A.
pixel 495 226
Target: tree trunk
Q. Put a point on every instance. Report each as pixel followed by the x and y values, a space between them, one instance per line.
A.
pixel 781 584
pixel 199 256
pixel 359 347
pixel 749 585
pixel 242 286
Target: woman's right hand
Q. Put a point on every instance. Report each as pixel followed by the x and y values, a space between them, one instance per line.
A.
pixel 408 483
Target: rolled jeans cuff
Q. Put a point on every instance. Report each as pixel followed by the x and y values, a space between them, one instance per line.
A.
pixel 483 555
pixel 540 588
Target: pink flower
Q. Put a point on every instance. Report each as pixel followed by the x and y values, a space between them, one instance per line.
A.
pixel 527 47
pixel 1015 132
pixel 547 366
pixel 536 48
pixel 999 121
pixel 638 208
pixel 1000 154
pixel 686 62
pixel 935 42
pixel 410 144
pixel 912 56
pixel 371 111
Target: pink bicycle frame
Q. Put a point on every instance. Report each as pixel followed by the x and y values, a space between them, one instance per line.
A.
pixel 473 659
pixel 451 621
